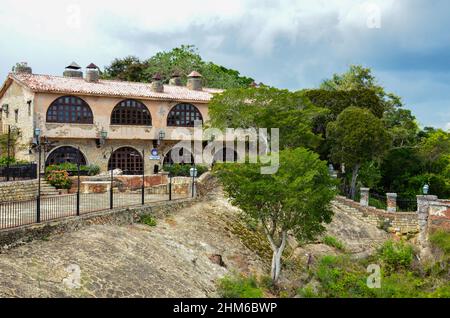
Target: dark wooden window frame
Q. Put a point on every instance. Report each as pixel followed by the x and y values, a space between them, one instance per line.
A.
pixel 183 115
pixel 128 159
pixel 70 110
pixel 168 160
pixel 131 112
pixel 65 154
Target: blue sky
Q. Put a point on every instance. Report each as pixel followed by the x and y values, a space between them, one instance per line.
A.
pixel 289 44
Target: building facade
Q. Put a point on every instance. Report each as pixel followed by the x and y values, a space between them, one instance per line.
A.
pixel 112 124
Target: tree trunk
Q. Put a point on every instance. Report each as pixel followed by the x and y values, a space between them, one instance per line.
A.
pixel 354 178
pixel 276 257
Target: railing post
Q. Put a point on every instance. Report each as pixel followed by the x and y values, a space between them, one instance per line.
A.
pixel 38 199
pixel 111 198
pixel 364 199
pixel 143 177
pixel 170 186
pixel 391 202
pixel 78 187
pixel 7 159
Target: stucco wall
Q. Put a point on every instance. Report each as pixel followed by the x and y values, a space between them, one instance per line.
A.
pixel 102 108
pixel 16 97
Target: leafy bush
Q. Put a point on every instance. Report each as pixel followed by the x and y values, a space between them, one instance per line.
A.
pixel 148 220
pixel 92 170
pixel 59 179
pixel 12 161
pixel 341 277
pixel 396 255
pixel 239 286
pixel 441 239
pixel 179 170
pixel 333 242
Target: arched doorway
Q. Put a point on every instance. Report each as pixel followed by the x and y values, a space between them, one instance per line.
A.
pixel 65 154
pixel 178 155
pixel 127 159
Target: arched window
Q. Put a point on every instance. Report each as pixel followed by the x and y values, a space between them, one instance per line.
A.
pixel 183 115
pixel 127 159
pixel 69 109
pixel 65 154
pixel 178 155
pixel 131 112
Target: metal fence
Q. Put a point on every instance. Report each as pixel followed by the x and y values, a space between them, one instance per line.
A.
pixel 18 172
pixel 47 208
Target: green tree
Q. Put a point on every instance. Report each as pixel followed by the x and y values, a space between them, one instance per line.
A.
pixel 294 201
pixel 183 60
pixel 357 136
pixel 129 68
pixel 358 77
pixel 434 150
pixel 266 107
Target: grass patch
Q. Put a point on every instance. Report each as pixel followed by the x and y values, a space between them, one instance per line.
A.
pixel 239 286
pixel 396 255
pixel 148 220
pixel 441 240
pixel 333 242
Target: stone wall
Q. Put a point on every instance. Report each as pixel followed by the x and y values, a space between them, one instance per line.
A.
pixel 120 216
pixel 398 222
pixel 440 215
pixel 18 190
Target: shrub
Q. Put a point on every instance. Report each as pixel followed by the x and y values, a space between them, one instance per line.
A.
pixel 239 286
pixel 148 220
pixel 396 255
pixel 12 161
pixel 441 240
pixel 92 170
pixel 59 179
pixel 333 242
pixel 179 170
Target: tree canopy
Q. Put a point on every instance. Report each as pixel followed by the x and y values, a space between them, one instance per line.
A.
pixel 182 60
pixel 267 107
pixel 357 136
pixel 293 201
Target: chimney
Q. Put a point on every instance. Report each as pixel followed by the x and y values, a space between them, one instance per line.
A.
pixel 92 73
pixel 176 79
pixel 22 68
pixel 156 84
pixel 73 70
pixel 194 81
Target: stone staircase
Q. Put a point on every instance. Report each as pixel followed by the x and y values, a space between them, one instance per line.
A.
pixel 24 190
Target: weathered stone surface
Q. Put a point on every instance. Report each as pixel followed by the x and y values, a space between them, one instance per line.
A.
pixel 169 260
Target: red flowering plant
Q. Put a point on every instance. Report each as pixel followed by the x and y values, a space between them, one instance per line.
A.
pixel 59 179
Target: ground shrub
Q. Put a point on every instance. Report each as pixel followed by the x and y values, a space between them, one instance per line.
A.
pixel 91 170
pixel 333 242
pixel 239 286
pixel 148 220
pixel 396 256
pixel 59 179
pixel 441 240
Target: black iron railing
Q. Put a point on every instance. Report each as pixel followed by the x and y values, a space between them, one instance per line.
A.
pixel 18 172
pixel 46 208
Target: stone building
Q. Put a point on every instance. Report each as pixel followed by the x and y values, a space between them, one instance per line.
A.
pixel 81 118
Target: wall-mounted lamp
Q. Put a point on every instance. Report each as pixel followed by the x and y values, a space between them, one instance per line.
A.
pixel 5 108
pixel 161 136
pixel 103 136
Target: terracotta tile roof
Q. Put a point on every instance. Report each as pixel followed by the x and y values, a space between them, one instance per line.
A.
pixel 69 85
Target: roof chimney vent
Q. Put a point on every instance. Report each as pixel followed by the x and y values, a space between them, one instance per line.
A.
pixel 92 73
pixel 175 79
pixel 73 70
pixel 22 68
pixel 194 81
pixel 156 84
